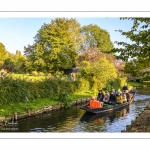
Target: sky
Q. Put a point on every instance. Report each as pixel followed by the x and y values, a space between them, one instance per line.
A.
pixel 15 32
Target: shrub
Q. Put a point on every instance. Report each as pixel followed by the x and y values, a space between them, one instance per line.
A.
pixel 41 74
pixel 15 90
pixel 64 99
pixel 82 85
pixel 34 73
pixel 118 82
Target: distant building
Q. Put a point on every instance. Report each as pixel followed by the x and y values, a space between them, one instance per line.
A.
pixel 70 70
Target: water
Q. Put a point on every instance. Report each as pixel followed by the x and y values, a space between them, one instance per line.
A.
pixel 75 120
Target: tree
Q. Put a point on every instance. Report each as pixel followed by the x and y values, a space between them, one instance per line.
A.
pixel 94 55
pixel 95 37
pixel 140 38
pixel 98 73
pixel 56 45
pixel 135 66
pixel 91 55
pixel 3 54
pixel 15 62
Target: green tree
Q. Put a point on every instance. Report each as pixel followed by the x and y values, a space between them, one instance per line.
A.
pixel 139 48
pixel 94 55
pixel 56 45
pixel 95 37
pixel 31 59
pixel 98 73
pixel 19 62
pixel 15 62
pixel 3 54
pixel 135 67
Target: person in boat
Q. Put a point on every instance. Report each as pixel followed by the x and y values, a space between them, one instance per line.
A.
pixel 100 96
pixel 112 98
pixel 119 96
pixel 106 97
pixel 125 92
pixel 125 88
pixel 132 92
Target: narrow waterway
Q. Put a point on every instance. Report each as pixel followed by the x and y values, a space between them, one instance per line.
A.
pixel 76 120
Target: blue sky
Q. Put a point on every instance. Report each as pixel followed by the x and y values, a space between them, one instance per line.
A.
pixel 15 33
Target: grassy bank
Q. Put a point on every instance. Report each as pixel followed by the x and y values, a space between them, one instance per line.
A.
pixel 139 84
pixel 8 110
pixel 19 94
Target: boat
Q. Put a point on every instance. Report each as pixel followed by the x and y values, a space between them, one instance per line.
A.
pixel 88 117
pixel 107 107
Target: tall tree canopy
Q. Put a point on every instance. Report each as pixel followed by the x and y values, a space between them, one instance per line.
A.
pixel 95 37
pixel 140 38
pixel 56 45
pixel 15 62
pixel 3 54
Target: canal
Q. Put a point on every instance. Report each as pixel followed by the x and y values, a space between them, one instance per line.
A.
pixel 76 120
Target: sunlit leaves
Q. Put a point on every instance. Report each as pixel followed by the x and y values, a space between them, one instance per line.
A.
pixel 3 54
pixel 95 37
pixel 140 39
pixel 57 44
pixel 99 72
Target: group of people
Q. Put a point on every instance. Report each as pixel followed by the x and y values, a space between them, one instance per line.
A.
pixel 114 97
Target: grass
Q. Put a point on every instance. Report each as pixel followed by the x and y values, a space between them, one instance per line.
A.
pixel 135 83
pixel 33 78
pixel 22 107
pixel 139 84
pixel 26 77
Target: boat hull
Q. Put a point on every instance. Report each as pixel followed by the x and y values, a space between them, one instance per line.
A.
pixel 104 109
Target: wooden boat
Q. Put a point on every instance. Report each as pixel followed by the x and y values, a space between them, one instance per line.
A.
pixel 107 107
pixel 88 117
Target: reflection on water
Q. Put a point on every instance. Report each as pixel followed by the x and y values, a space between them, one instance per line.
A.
pixel 77 120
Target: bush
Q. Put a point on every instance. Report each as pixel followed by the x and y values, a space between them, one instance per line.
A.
pixel 34 73
pixel 64 99
pixel 118 82
pixel 82 85
pixel 15 90
pixel 41 74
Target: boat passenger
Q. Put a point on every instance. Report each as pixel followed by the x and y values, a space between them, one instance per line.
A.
pixel 133 90
pixel 124 97
pixel 100 96
pixel 119 96
pixel 125 90
pixel 106 97
pixel 112 98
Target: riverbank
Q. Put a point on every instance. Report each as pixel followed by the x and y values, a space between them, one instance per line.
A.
pixel 139 84
pixel 45 109
pixel 141 123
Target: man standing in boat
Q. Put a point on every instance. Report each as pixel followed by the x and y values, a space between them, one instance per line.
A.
pixel 125 90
